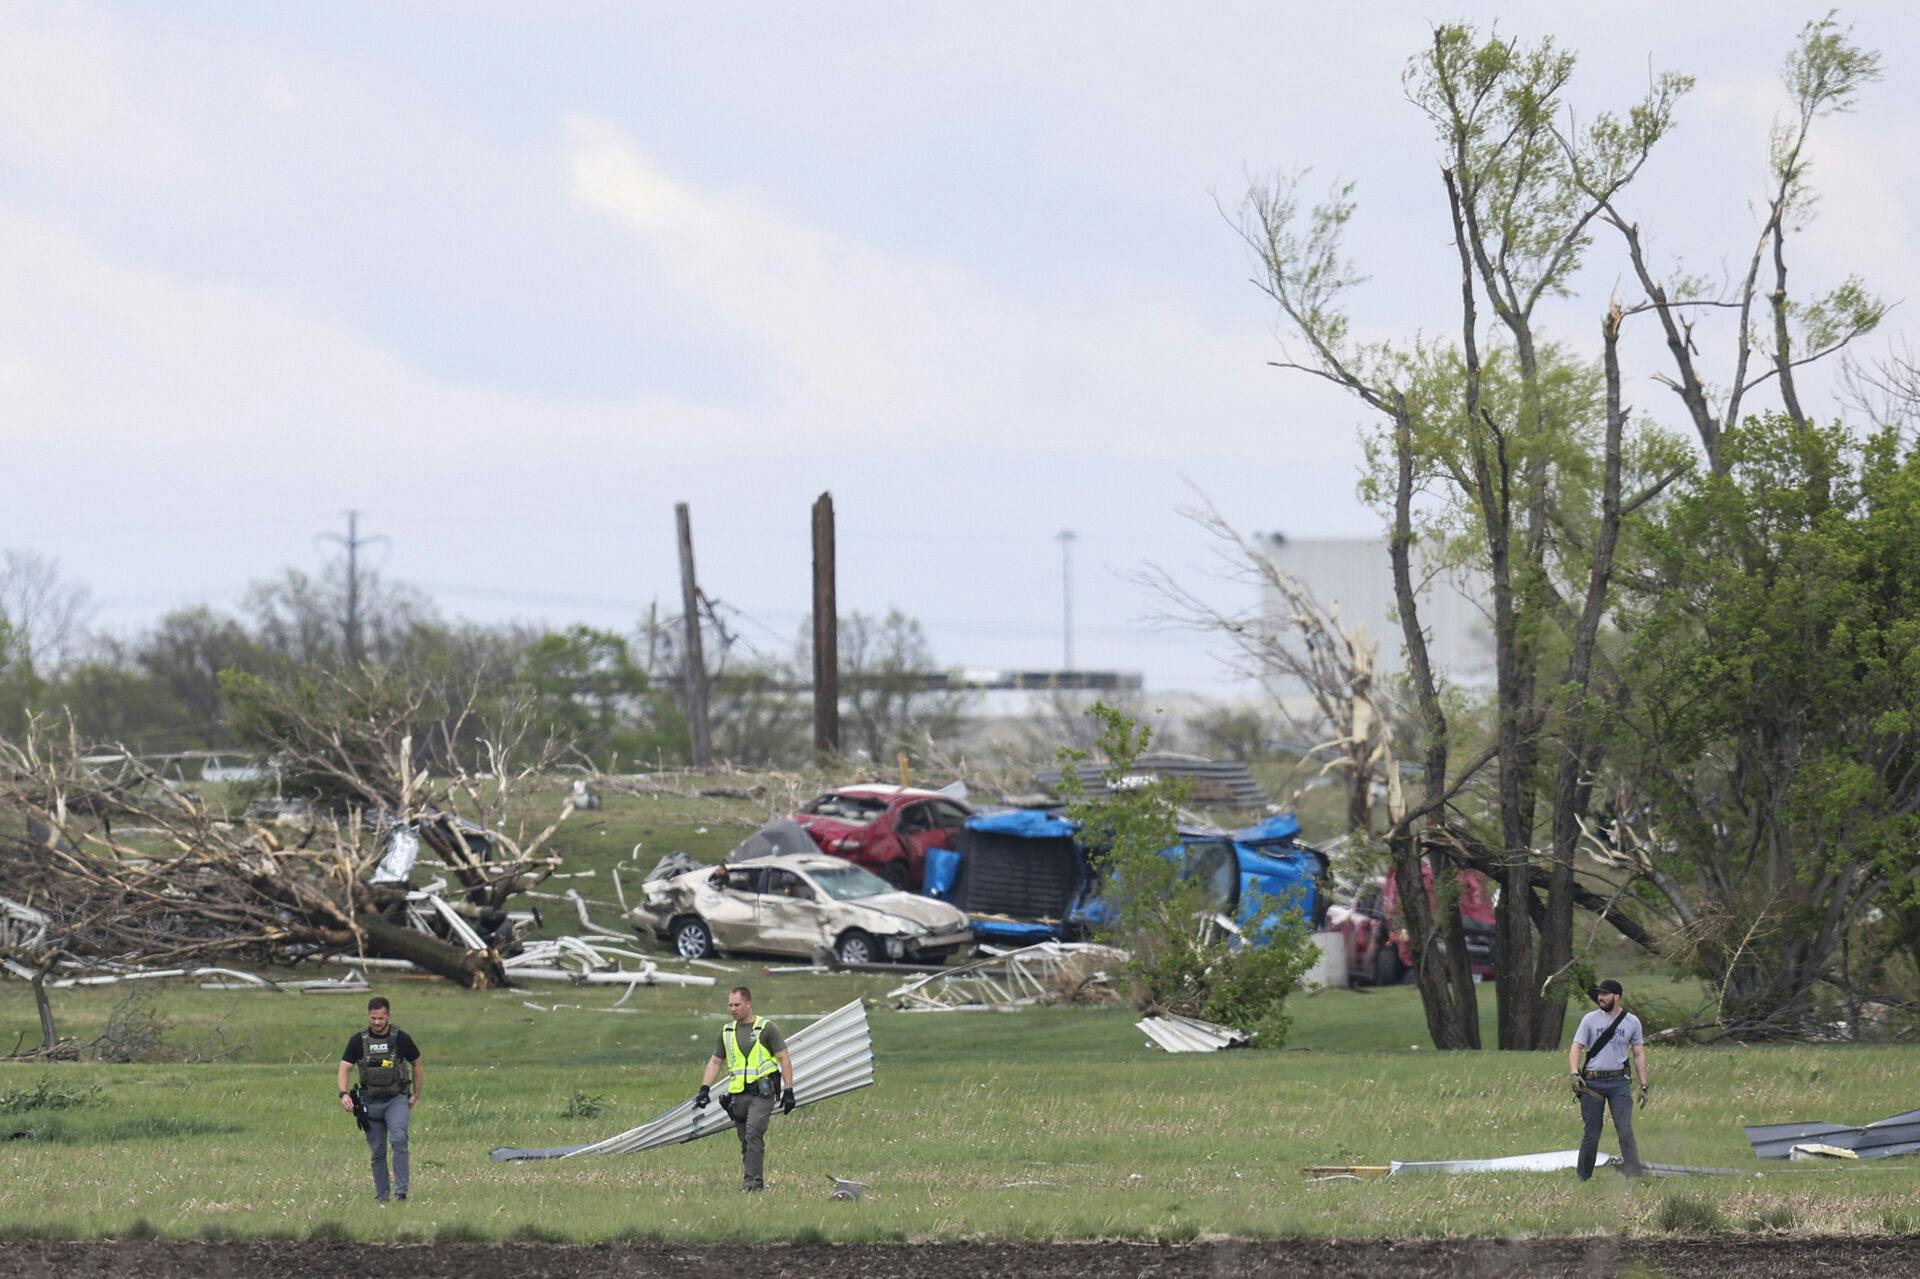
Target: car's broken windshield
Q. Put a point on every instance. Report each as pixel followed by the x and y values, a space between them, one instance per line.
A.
pixel 849 883
pixel 858 809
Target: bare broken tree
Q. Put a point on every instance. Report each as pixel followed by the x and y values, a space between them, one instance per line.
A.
pixel 1298 649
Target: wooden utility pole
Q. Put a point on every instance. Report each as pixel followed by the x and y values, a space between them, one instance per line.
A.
pixel 694 661
pixel 826 634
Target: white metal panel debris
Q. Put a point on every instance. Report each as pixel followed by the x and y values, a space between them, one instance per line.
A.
pixel 1191 1035
pixel 21 926
pixel 1548 1161
pixel 1042 974
pixel 832 1057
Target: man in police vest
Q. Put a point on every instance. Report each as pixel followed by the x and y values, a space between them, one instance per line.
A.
pixel 753 1053
pixel 1605 1038
pixel 391 1075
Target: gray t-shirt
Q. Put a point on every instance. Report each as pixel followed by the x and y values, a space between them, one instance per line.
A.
pixel 1614 1055
pixel 743 1034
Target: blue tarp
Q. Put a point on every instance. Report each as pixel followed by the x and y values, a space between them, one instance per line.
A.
pixel 942 868
pixel 1279 829
pixel 1017 931
pixel 1033 823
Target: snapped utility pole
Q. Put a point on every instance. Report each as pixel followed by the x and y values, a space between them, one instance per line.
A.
pixel 1065 538
pixel 826 634
pixel 351 626
pixel 694 662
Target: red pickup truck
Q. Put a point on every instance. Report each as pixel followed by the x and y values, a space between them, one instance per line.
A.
pixel 1378 953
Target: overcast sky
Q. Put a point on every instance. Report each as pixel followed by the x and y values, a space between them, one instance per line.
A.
pixel 513 279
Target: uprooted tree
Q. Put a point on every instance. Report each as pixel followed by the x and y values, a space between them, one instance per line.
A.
pixel 106 864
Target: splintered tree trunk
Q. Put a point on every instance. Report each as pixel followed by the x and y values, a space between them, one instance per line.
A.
pixel 476 969
pixel 48 1034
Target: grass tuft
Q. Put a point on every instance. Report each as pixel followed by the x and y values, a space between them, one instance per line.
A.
pixel 38 1232
pixel 633 1237
pixel 531 1232
pixel 329 1232
pixel 141 1229
pixel 215 1232
pixel 1895 1222
pixel 585 1105
pixel 1684 1214
pixel 1780 1218
pixel 461 1232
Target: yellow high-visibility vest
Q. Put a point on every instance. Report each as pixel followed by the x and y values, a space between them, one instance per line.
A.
pixel 754 1065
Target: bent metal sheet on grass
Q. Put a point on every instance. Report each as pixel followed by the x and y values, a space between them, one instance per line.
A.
pixel 831 1057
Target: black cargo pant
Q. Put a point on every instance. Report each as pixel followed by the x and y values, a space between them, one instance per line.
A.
pixel 1617 1095
pixel 750 1115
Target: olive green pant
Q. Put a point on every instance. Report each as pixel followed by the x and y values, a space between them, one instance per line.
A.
pixel 750 1117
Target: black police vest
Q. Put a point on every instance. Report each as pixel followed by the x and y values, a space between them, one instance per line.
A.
pixel 383 1072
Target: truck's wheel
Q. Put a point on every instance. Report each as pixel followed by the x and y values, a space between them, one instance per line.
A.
pixel 1386 966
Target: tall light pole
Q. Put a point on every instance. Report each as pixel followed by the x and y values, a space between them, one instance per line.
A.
pixel 1065 537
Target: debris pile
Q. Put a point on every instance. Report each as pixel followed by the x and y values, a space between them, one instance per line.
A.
pixel 1051 972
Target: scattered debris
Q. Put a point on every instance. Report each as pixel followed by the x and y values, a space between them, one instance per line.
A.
pixel 1051 972
pixel 832 1057
pixel 583 963
pixel 846 1190
pixel 1178 1034
pixel 1895 1135
pixel 1810 1150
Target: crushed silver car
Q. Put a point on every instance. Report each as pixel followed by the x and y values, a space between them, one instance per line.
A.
pixel 770 897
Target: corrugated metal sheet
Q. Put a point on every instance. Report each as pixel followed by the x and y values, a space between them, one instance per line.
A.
pixel 1549 1161
pixel 1211 782
pixel 831 1057
pixel 1191 1035
pixel 1895 1135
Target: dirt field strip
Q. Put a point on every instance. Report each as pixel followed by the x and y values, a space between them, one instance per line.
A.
pixel 1762 1258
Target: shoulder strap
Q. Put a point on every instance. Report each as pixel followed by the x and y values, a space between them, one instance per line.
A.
pixel 1606 1036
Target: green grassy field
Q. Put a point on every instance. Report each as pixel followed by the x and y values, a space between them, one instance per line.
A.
pixel 1045 1123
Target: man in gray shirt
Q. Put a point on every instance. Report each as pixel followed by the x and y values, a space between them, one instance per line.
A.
pixel 1600 1082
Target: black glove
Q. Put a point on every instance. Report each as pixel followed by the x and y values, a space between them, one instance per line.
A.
pixel 1643 1095
pixel 787 1103
pixel 1579 1086
pixel 701 1098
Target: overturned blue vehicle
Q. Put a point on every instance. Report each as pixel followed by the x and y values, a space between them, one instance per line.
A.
pixel 1024 877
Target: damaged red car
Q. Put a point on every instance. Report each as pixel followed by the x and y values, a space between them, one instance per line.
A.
pixel 887 829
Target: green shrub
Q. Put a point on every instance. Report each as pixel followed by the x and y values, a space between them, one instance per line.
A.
pixel 1177 962
pixel 46 1094
pixel 1684 1214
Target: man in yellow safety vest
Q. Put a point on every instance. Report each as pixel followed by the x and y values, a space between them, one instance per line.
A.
pixel 753 1053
